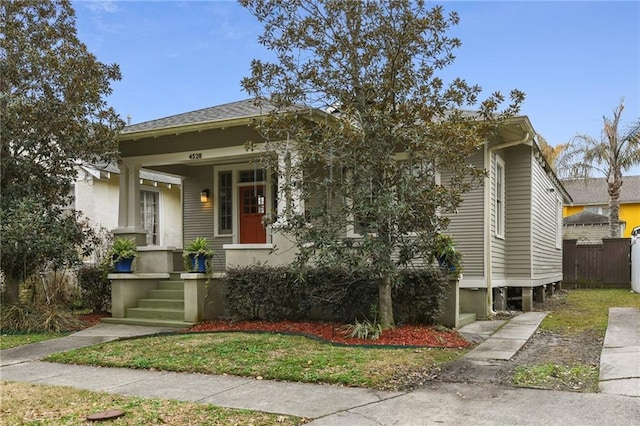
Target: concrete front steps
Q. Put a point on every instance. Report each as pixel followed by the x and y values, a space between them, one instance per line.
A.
pixel 163 307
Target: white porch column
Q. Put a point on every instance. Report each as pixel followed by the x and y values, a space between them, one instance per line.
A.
pixel 289 185
pixel 129 219
pixel 290 194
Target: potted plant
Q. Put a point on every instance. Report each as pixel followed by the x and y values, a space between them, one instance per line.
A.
pixel 197 256
pixel 448 257
pixel 122 253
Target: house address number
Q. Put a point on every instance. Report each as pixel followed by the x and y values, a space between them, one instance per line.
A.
pixel 195 156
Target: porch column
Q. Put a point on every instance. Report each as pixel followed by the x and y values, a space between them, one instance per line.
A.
pixel 129 219
pixel 290 185
pixel 290 192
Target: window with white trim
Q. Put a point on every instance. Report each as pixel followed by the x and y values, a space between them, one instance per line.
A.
pixel 225 202
pixel 150 213
pixel 499 207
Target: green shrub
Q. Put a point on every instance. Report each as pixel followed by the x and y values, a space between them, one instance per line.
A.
pixel 340 293
pixel 337 294
pixel 263 292
pixel 419 296
pixel 95 288
pixel 364 329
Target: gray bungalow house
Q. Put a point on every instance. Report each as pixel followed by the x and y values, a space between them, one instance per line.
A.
pixel 509 230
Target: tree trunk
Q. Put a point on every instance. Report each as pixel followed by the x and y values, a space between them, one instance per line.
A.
pixel 614 218
pixel 614 182
pixel 385 302
pixel 12 291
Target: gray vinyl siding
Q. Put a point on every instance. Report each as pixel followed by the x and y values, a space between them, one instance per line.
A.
pixel 518 211
pixel 467 225
pixel 547 259
pixel 498 244
pixel 198 216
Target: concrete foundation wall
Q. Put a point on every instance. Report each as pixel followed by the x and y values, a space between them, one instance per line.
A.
pixel 474 301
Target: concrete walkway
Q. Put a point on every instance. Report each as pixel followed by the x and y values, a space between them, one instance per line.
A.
pixel 440 403
pixel 504 343
pixel 620 359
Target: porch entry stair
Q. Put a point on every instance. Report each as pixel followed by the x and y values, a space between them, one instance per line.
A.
pixel 466 318
pixel 163 307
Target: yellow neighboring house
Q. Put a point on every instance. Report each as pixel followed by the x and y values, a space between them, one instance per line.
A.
pixel 591 195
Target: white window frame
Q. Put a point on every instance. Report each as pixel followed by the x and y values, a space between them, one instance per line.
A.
pixel 159 207
pixel 499 202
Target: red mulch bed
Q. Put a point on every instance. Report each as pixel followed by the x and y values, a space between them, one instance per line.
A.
pixel 406 335
pixel 89 320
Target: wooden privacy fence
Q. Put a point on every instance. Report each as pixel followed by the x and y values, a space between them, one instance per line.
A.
pixel 607 264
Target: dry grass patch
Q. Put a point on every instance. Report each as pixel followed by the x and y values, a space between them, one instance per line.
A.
pixel 27 404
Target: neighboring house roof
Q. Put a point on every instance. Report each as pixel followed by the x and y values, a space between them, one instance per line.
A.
pixel 586 218
pixel 594 190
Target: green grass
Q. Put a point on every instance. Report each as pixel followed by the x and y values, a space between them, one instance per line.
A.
pixel 553 376
pixel 13 340
pixel 588 310
pixel 30 404
pixel 579 312
pixel 268 356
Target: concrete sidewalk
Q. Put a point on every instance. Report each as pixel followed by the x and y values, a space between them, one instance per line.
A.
pixel 620 359
pixel 440 403
pixel 99 333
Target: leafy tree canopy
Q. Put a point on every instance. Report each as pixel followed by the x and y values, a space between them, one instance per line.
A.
pixel 370 167
pixel 53 115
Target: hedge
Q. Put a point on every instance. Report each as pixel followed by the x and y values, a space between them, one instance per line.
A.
pixel 276 293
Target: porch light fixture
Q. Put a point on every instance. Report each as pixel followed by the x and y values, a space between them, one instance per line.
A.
pixel 204 196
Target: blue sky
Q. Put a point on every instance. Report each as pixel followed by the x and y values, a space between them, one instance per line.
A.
pixel 574 60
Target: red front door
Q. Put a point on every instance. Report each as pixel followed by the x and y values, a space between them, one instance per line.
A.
pixel 252 209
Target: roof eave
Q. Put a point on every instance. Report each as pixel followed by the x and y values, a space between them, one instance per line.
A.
pixel 204 126
pixel 187 128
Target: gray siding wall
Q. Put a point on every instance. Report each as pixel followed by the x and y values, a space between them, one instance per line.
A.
pixel 498 244
pixel 518 211
pixel 547 258
pixel 467 225
pixel 198 216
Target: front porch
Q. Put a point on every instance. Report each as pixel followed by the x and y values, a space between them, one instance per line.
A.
pixel 229 197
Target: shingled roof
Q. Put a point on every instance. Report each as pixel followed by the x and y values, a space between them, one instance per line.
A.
pixel 594 190
pixel 586 218
pixel 230 111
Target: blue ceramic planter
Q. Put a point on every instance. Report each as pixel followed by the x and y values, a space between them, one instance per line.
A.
pixel 197 264
pixel 124 265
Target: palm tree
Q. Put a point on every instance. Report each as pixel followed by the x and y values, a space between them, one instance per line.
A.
pixel 610 155
pixel 550 153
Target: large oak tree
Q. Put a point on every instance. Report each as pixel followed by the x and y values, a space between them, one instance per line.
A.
pixel 368 174
pixel 53 114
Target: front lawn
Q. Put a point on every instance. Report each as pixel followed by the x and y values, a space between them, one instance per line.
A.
pixel 30 404
pixel 264 355
pixel 8 340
